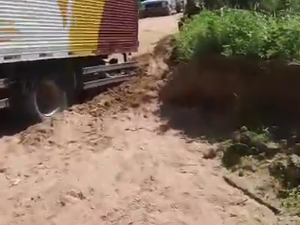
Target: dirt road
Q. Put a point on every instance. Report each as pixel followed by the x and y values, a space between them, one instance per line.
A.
pixel 153 29
pixel 117 169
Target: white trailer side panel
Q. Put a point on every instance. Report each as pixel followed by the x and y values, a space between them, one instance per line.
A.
pixel 33 29
pixel 42 29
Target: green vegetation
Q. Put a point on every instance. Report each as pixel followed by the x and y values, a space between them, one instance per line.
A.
pixel 272 6
pixel 244 143
pixel 292 201
pixel 247 33
pixel 255 152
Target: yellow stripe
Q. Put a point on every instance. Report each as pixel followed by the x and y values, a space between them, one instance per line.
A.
pixel 63 4
pixel 84 31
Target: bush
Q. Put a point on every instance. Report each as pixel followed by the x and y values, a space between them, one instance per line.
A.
pixel 241 32
pixel 271 6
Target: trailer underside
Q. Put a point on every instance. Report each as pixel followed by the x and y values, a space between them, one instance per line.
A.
pixel 40 89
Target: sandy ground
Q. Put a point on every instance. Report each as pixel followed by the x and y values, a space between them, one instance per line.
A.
pixel 117 169
pixel 153 29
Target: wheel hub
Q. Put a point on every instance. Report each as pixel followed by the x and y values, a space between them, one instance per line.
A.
pixel 48 98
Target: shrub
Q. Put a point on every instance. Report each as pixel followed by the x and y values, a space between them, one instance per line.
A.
pixel 272 6
pixel 241 32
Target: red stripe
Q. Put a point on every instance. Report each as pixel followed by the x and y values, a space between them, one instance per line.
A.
pixel 119 27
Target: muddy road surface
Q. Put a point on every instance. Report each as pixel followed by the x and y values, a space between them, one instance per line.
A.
pixel 117 167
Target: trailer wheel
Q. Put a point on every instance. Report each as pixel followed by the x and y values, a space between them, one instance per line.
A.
pixel 44 99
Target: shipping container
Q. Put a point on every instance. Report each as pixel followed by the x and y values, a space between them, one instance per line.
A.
pixel 61 46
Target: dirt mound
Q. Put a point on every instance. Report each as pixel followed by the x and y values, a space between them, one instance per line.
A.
pixel 242 87
pixel 60 129
pixel 140 89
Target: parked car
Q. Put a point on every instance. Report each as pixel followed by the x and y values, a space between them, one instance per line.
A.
pixel 159 7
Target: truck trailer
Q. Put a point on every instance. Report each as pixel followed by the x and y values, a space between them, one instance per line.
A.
pixel 51 50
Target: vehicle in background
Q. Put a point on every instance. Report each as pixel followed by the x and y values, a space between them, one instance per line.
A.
pixel 51 50
pixel 160 7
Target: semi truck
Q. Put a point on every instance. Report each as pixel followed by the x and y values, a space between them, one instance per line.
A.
pixel 52 50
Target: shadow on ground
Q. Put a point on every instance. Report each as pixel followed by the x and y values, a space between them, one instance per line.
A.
pixel 194 122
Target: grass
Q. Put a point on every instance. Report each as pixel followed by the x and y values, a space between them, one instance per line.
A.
pixel 233 32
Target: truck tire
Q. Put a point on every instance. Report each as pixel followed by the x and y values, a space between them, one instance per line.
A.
pixel 45 98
